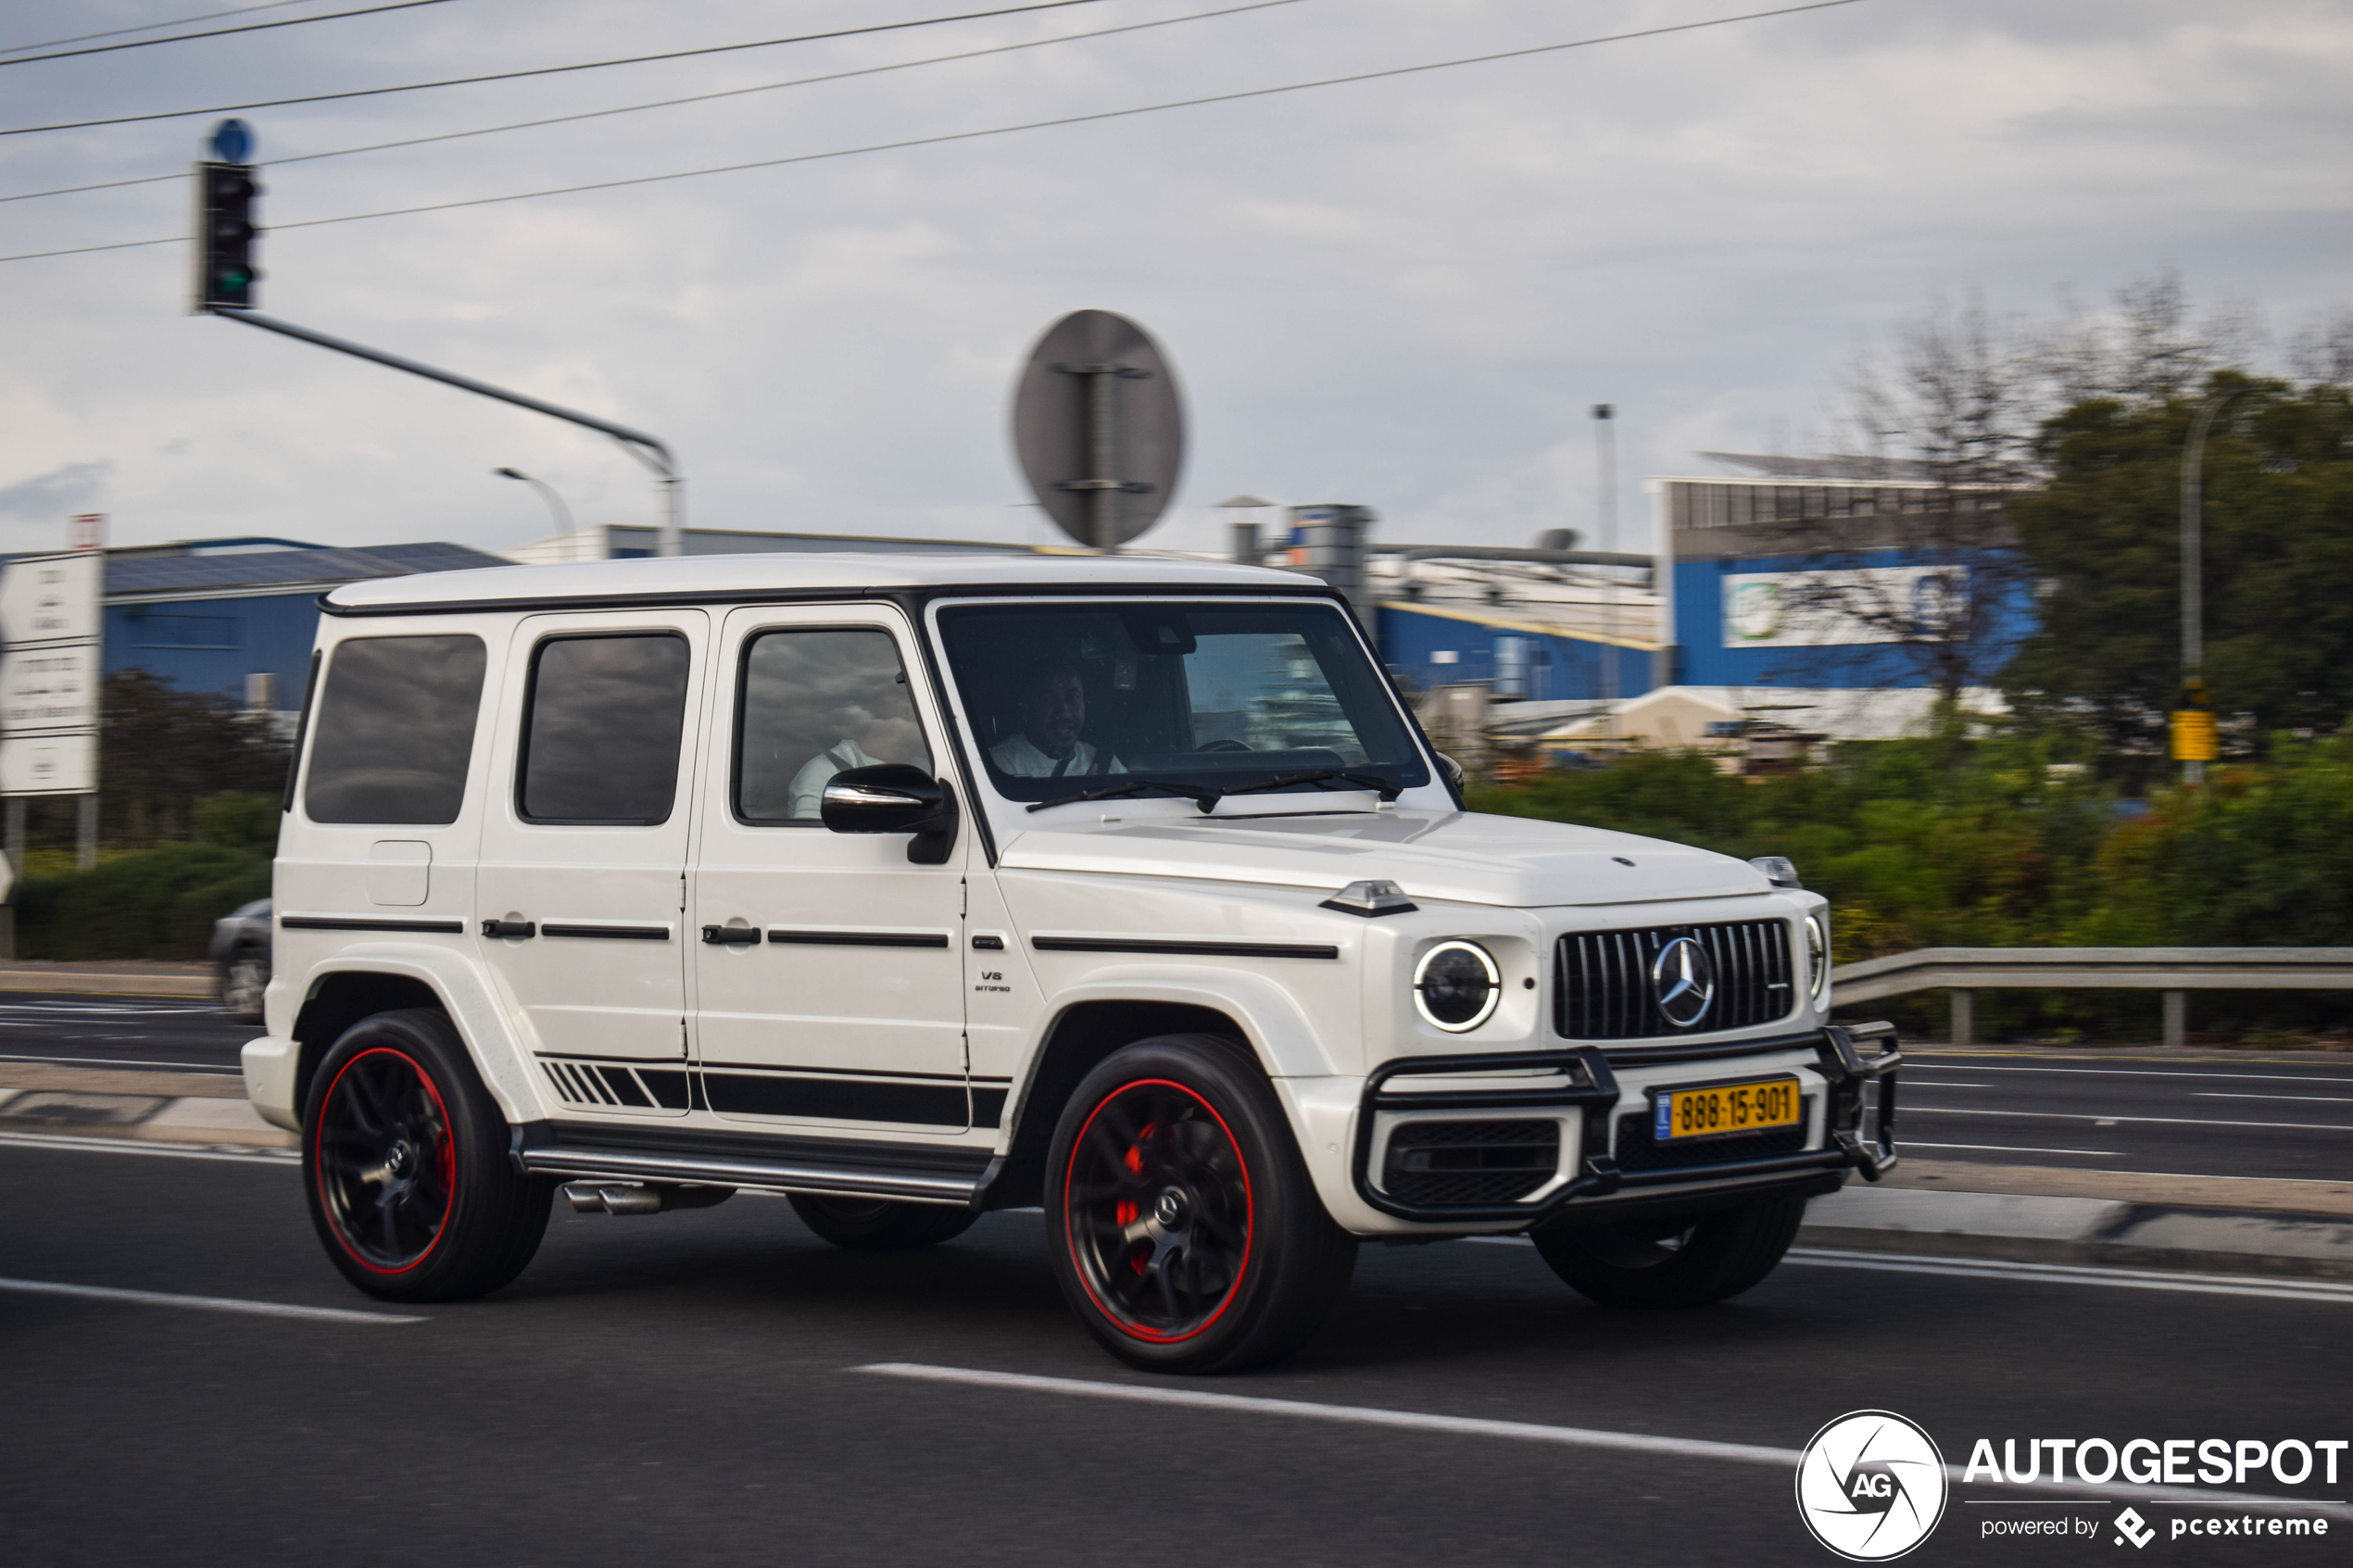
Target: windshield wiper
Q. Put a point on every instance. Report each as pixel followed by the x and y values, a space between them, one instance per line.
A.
pixel 1199 795
pixel 1322 778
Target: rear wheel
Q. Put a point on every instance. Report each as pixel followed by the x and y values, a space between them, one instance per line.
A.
pixel 404 1160
pixel 1682 1262
pixel 873 1225
pixel 1185 1230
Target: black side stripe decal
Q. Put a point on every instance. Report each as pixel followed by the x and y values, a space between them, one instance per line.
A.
pixel 923 1104
pixel 1202 950
pixel 861 938
pixel 618 933
pixel 338 923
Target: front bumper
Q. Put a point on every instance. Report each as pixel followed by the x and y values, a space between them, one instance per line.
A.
pixel 1583 1083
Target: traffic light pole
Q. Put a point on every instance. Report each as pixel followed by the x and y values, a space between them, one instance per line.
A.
pixel 655 453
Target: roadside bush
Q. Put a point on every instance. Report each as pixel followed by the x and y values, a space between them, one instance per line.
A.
pixel 155 904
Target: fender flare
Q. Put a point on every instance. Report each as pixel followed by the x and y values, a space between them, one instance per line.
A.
pixel 1278 1033
pixel 489 1029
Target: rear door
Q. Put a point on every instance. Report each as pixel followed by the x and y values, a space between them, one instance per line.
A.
pixel 829 982
pixel 583 850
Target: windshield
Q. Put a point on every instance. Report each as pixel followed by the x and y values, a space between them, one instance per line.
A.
pixel 1065 699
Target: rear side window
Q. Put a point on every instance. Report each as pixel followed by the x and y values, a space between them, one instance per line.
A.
pixel 600 744
pixel 395 731
pixel 814 703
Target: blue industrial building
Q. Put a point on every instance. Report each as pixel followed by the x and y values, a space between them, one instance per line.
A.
pixel 236 616
pixel 1513 655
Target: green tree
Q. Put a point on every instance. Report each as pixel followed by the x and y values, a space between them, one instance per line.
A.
pixel 162 750
pixel 2104 537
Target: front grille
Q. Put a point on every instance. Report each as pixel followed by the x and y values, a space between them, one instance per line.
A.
pixel 1602 990
pixel 1439 1164
pixel 1637 1150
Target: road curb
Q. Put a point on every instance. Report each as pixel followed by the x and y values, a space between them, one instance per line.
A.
pixel 193 1119
pixel 110 980
pixel 2029 1229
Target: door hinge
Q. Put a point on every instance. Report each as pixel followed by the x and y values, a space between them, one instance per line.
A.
pixel 682 893
pixel 964 896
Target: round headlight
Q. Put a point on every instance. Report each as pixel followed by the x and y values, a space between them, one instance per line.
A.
pixel 1818 959
pixel 1456 986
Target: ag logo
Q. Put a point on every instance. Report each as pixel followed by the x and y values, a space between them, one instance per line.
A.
pixel 1870 1485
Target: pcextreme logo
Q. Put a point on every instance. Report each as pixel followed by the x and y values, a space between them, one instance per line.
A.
pixel 1870 1485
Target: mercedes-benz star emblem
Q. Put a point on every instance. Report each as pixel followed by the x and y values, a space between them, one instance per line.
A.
pixel 1683 978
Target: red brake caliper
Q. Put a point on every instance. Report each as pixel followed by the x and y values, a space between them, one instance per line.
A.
pixel 1127 1212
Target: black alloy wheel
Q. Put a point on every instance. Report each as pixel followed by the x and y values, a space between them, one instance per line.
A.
pixel 406 1168
pixel 387 1163
pixel 1160 1213
pixel 1185 1230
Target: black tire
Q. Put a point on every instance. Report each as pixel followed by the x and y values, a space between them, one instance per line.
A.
pixel 1185 1230
pixel 1687 1262
pixel 872 1225
pixel 243 979
pixel 404 1162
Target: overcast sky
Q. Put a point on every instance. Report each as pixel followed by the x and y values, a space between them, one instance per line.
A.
pixel 1404 293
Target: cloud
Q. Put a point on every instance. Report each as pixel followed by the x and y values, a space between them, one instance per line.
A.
pixel 52 497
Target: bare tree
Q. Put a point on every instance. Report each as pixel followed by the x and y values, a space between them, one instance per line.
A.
pixel 2322 354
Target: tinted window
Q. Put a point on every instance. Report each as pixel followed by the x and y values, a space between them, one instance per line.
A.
pixel 395 728
pixel 814 703
pixel 601 743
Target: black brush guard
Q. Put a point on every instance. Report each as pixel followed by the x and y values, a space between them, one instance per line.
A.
pixel 1594 1086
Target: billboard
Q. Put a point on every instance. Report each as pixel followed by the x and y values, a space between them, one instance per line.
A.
pixel 49 672
pixel 1805 609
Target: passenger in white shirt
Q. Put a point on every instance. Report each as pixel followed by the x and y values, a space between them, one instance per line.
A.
pixel 1053 712
pixel 808 792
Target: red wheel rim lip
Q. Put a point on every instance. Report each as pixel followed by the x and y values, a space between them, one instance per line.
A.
pixel 1250 1216
pixel 446 1155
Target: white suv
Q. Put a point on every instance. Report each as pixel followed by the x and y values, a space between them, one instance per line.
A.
pixel 919 885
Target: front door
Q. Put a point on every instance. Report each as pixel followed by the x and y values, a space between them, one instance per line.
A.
pixel 583 850
pixel 829 985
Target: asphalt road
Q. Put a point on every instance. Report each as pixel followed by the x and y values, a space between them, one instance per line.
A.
pixel 2223 1114
pixel 2218 1115
pixel 684 1389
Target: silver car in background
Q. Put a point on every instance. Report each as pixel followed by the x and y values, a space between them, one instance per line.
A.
pixel 241 959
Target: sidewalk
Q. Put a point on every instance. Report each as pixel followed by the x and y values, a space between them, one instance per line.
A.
pixel 113 977
pixel 184 1107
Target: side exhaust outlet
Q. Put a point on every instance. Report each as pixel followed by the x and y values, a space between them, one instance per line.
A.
pixel 630 1198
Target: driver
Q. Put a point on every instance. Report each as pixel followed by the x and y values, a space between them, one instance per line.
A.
pixel 1053 711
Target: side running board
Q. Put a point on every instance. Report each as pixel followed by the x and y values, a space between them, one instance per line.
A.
pixel 829 1168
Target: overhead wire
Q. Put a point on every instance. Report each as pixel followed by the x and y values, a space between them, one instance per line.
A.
pixel 692 98
pixel 993 131
pixel 553 71
pixel 221 31
pixel 149 27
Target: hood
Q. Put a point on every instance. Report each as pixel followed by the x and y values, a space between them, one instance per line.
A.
pixel 1468 858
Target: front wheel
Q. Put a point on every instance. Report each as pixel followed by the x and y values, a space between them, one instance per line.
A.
pixel 873 1225
pixel 1682 1262
pixel 404 1159
pixel 1185 1230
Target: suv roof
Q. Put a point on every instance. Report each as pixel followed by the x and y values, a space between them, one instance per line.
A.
pixel 755 576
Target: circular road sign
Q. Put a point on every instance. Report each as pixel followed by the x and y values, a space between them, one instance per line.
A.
pixel 1098 428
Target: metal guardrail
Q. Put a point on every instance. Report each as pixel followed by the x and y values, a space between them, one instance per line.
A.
pixel 2174 971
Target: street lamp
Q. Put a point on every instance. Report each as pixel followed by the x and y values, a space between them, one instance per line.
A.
pixel 555 502
pixel 1605 476
pixel 2194 724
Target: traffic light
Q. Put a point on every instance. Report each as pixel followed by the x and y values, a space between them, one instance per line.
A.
pixel 225 235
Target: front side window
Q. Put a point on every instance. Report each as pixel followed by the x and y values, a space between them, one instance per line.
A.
pixel 1067 698
pixel 395 731
pixel 600 742
pixel 813 703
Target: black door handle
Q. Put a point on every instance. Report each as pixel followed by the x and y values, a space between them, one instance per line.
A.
pixel 509 928
pixel 731 935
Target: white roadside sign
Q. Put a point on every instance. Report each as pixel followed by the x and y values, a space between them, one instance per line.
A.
pixel 50 653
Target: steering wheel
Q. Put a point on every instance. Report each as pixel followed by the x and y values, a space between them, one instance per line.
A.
pixel 1227 746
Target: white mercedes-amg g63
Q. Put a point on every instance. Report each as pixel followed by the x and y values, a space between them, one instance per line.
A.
pixel 914 886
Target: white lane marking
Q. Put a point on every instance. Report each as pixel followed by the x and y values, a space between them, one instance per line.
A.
pixel 1914 1109
pixel 2068 1274
pixel 2045 1274
pixel 2308 1100
pixel 1517 1431
pixel 201 1303
pixel 2017 1149
pixel 169 1152
pixel 1913 1065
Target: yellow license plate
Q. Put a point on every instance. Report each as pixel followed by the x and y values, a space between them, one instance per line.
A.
pixel 1728 1107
